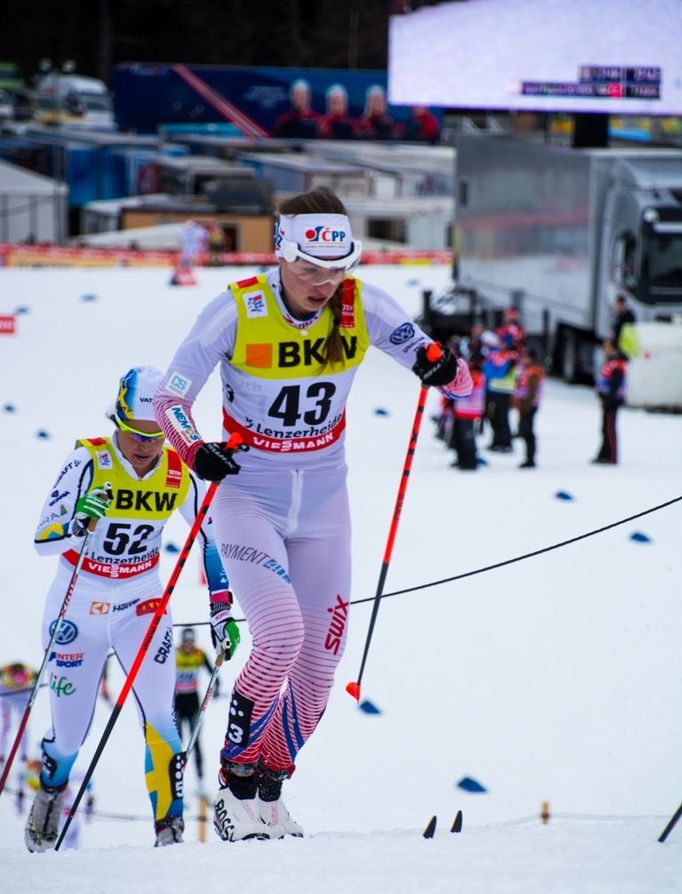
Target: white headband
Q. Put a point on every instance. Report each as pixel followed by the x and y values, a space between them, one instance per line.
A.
pixel 322 239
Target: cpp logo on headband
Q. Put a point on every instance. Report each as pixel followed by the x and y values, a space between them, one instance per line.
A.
pixel 324 235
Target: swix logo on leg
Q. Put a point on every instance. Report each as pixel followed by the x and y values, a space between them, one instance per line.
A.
pixel 239 722
pixel 337 625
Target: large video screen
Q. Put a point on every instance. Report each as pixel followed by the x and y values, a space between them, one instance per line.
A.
pixel 622 57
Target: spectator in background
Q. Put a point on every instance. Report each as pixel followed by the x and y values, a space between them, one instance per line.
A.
pixel 467 411
pixel 526 399
pixel 622 332
pixel 189 660
pixel 611 388
pixel 376 123
pixel 422 126
pixel 216 245
pixel 193 242
pixel 512 327
pixel 480 340
pixel 337 124
pixel 500 373
pixel 300 122
pixel 16 684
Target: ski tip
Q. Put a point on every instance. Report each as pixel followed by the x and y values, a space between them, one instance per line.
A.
pixel 354 690
pixel 457 822
pixel 431 828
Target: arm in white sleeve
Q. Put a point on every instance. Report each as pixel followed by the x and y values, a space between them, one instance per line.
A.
pixel 209 341
pixel 52 536
pixel 216 578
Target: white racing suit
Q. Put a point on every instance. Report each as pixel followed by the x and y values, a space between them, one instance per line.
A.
pixel 282 525
pixel 116 594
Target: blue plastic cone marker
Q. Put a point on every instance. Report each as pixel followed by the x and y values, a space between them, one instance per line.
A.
pixel 381 411
pixel 564 495
pixel 9 408
pixel 471 785
pixel 640 537
pixel 41 433
pixel 171 548
pixel 22 309
pixel 369 707
pixel 89 298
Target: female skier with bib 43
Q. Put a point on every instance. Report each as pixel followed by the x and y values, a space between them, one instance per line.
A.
pixel 289 344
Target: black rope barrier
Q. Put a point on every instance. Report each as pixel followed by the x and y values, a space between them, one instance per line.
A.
pixel 495 565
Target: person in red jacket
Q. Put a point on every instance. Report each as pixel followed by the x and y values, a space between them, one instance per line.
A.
pixel 611 387
pixel 376 123
pixel 422 126
pixel 300 122
pixel 337 124
pixel 526 399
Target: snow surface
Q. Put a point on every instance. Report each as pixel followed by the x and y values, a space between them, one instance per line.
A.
pixel 555 679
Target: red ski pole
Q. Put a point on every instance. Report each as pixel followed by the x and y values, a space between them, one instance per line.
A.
pixel 53 638
pixel 433 352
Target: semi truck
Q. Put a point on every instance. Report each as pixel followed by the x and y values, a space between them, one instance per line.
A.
pixel 560 232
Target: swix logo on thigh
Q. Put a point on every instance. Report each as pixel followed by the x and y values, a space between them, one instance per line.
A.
pixel 337 625
pixel 239 721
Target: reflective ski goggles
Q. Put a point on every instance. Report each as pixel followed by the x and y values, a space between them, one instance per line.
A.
pixel 138 435
pixel 292 251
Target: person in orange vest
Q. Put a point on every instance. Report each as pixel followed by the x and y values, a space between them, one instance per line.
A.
pixel 526 399
pixel 611 388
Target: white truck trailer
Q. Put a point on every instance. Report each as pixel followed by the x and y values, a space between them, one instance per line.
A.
pixel 560 232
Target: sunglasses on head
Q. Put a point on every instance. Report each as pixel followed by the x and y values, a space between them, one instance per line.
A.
pixel 138 435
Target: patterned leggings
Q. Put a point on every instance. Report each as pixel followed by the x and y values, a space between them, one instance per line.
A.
pixel 284 538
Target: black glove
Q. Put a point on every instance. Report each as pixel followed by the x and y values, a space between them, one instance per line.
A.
pixel 439 371
pixel 214 460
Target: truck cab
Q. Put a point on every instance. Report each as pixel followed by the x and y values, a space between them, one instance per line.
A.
pixel 642 238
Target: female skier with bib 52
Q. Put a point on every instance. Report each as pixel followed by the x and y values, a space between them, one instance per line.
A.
pixel 130 484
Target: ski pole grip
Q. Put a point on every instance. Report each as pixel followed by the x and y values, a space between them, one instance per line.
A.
pixel 434 352
pixel 236 442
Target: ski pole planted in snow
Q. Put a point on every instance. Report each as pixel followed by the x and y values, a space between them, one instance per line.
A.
pixel 433 352
pixel 671 824
pixel 142 651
